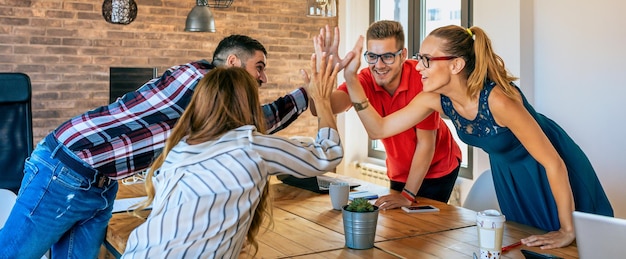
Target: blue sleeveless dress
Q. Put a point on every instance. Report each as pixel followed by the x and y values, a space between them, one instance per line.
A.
pixel 521 183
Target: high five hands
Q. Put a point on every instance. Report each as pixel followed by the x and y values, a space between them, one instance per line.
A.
pixel 327 43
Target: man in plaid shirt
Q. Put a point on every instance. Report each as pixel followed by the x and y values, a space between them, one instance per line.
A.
pixel 69 186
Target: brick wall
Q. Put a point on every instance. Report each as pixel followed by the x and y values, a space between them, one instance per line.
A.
pixel 66 48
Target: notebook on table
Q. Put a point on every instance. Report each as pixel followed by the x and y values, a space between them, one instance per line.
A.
pixel 317 184
pixel 599 236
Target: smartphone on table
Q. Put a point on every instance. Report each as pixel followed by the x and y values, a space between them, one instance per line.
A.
pixel 420 208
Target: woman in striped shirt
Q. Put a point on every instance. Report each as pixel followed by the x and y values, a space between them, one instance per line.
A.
pixel 209 188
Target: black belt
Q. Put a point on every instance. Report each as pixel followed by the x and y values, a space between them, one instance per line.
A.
pixel 77 166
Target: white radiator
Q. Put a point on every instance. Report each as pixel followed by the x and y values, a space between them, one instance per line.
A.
pixel 372 173
pixel 378 175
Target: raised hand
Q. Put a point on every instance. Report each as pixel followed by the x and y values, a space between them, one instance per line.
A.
pixel 323 82
pixel 324 77
pixel 325 42
pixel 354 63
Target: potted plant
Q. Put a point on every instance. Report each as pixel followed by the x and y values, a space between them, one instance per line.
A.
pixel 360 218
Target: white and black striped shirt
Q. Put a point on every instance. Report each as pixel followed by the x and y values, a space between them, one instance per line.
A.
pixel 206 194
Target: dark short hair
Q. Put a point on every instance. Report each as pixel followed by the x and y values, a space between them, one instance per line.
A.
pixel 241 46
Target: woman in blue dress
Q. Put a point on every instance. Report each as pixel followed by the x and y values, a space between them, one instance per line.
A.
pixel 540 174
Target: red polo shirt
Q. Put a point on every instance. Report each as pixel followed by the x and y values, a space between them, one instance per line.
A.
pixel 401 147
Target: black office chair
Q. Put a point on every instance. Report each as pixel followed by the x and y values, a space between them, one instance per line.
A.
pixel 16 128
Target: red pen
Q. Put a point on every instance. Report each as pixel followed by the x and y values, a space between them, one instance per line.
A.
pixel 511 246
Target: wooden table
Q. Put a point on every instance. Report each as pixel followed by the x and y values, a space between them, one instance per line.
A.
pixel 306 226
pixel 463 242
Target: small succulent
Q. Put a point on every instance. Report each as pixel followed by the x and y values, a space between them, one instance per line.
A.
pixel 360 205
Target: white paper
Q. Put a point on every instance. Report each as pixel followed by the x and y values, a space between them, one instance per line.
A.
pixel 123 205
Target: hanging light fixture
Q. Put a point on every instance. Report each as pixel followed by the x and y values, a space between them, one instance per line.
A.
pixel 200 18
pixel 321 8
pixel 119 11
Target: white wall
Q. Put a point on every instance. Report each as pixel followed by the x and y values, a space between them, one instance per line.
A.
pixel 579 68
pixel 571 59
pixel 353 22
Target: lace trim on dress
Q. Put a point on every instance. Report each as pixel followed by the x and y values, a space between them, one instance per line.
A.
pixel 483 124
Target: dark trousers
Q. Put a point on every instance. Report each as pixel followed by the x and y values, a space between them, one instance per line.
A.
pixel 436 188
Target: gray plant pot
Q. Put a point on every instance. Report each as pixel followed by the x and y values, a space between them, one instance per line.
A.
pixel 360 228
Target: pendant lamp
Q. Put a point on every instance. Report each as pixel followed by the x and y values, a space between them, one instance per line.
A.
pixel 119 11
pixel 200 18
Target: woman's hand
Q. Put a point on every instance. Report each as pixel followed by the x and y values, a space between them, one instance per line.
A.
pixel 325 42
pixel 323 82
pixel 550 240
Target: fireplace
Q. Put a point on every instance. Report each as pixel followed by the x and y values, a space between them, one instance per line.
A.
pixel 126 79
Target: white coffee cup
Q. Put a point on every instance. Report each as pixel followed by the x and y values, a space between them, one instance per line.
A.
pixel 490 225
pixel 338 194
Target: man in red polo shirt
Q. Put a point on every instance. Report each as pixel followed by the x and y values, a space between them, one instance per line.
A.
pixel 422 161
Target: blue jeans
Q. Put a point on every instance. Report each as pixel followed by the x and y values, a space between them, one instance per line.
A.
pixel 56 208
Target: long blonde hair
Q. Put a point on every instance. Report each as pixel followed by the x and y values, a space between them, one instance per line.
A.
pixel 481 63
pixel 225 99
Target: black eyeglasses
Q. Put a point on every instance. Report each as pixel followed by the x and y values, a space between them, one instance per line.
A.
pixel 426 60
pixel 387 58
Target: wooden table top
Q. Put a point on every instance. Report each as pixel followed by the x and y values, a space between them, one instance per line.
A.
pixel 462 242
pixel 306 226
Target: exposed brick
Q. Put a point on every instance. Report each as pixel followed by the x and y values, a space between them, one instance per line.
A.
pixel 89 16
pixel 17 3
pixel 14 59
pixel 45 59
pixel 60 32
pixel 42 77
pixel 92 51
pixel 30 31
pixel 75 95
pixel 135 44
pixel 6 11
pixel 4 49
pixel 47 23
pixel 79 6
pixel 61 50
pixel 5 29
pixel 6 67
pixel 45 96
pixel 149 2
pixel 120 35
pixel 162 11
pixel 76 60
pixel 44 5
pixel 67 48
pixel 107 60
pixel 76 42
pixel 58 86
pixel 45 40
pixel 14 21
pixel 60 14
pixel 136 61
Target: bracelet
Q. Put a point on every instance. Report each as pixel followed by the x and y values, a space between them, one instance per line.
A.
pixel 409 192
pixel 408 197
pixel 362 105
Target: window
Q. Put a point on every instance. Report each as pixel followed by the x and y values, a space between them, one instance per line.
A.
pixel 420 17
pixel 433 14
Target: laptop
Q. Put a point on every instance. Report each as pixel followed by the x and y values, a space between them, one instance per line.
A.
pixel 318 184
pixel 599 236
